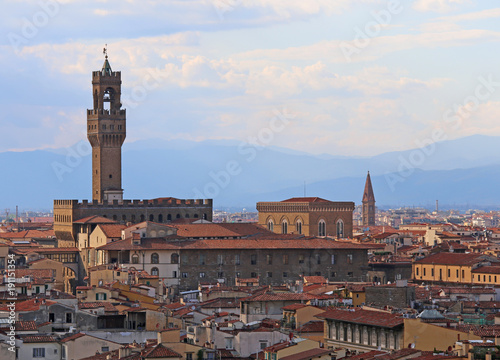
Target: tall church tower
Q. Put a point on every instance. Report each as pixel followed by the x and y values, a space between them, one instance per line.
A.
pixel 368 203
pixel 106 132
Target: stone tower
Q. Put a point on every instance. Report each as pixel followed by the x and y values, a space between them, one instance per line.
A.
pixel 106 132
pixel 368 203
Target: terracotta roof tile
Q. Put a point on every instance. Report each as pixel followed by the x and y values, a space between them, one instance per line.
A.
pixel 308 354
pixel 38 339
pixel 446 258
pixel 160 351
pixel 112 230
pixel 366 317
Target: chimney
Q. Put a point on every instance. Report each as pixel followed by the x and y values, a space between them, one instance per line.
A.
pixel 124 351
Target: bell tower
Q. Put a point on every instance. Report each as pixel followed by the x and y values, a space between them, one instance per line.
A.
pixel 368 209
pixel 106 132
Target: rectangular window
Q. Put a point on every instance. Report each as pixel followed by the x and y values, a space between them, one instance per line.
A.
pixel 202 274
pixel 349 258
pixel 220 259
pixel 253 275
pixel 463 273
pixel 104 348
pixel 333 274
pixel 432 272
pixel 416 271
pixel 185 275
pixel 201 259
pixel 253 259
pixel 174 274
pixel 350 274
pixel 285 274
pixel 220 275
pixel 269 259
pixel 333 259
pixel 39 352
pixel 285 259
pixel 263 344
pixel 424 271
pixel 301 259
pixel 318 259
pixel 184 259
pixel 69 317
pixel 189 356
pixel 237 259
pixel 238 274
pixel 457 273
pixel 51 317
pixel 269 274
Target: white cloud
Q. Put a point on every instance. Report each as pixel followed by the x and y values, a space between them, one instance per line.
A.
pixel 438 5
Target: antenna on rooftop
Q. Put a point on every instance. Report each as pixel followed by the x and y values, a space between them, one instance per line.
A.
pixel 105 51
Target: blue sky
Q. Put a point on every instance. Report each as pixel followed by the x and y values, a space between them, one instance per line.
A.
pixel 222 69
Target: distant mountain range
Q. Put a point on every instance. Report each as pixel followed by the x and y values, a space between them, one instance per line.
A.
pixel 459 173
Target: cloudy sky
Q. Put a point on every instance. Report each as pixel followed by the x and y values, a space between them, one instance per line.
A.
pixel 351 77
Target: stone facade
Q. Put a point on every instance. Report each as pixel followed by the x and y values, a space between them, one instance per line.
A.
pixel 271 266
pixel 307 216
pixel 66 212
pixel 398 297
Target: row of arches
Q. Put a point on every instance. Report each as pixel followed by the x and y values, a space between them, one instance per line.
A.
pixel 339 227
pixel 155 259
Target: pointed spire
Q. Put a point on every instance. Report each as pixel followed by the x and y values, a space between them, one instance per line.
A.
pixel 106 68
pixel 368 193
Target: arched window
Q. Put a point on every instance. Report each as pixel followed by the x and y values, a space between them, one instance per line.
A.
pixel 187 216
pixel 205 217
pixel 155 259
pixel 160 218
pixel 284 227
pixel 169 217
pixel 178 216
pixel 154 271
pixel 135 259
pixel 151 217
pixel 174 258
pixel 196 216
pixel 322 228
pixel 340 229
pixel 115 217
pixel 142 218
pixel 270 225
pixel 124 217
pixel 298 226
pixel 132 218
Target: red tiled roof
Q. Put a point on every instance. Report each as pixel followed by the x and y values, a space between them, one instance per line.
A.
pixel 446 258
pixel 232 230
pixel 315 279
pixel 160 351
pixel 366 356
pixel 306 199
pixel 112 230
pixel 293 307
pixel 487 270
pixel 38 339
pixel 253 243
pixel 39 273
pixel 271 296
pixel 29 305
pixel 277 347
pixel 312 326
pixel 308 354
pixel 72 337
pixel 366 317
pixel 94 219
pixel 22 326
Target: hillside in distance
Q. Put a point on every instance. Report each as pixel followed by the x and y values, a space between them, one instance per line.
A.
pixel 457 172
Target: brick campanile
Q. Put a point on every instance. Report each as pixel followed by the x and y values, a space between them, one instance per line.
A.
pixel 106 132
pixel 368 210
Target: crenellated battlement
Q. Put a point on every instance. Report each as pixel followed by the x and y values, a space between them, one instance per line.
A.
pixel 97 75
pixel 146 203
